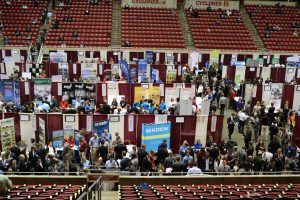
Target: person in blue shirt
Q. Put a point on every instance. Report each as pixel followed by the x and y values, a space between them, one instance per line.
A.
pixel 87 107
pixel 106 135
pixel 144 78
pixel 162 107
pixel 187 158
pixel 151 108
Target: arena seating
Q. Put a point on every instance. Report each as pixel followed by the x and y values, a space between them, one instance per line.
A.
pixel 151 27
pixel 45 192
pixel 93 29
pixel 262 191
pixel 228 35
pixel 263 16
pixel 13 16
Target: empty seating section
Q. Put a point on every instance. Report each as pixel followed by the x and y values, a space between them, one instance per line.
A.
pixel 227 35
pixel 151 27
pixel 19 14
pixel 45 192
pixel 262 191
pixel 94 28
pixel 283 40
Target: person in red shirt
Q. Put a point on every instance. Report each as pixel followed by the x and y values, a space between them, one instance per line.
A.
pixel 63 105
pixel 232 101
pixel 71 141
pixel 82 148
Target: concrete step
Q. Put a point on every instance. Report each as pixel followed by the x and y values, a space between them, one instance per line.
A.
pixel 185 29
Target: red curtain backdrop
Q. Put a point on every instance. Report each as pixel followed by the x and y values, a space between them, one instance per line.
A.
pixel 162 71
pixel 82 122
pixel 55 123
pixel 288 94
pixel 240 57
pixel 250 75
pixel 282 59
pixel 278 74
pixel 162 58
pixel 227 59
pixel 258 95
pixel 205 58
pixel 130 136
pixel 124 89
pixel 231 73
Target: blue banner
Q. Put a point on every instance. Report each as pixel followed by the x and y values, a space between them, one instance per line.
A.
pixel 10 91
pixel 98 127
pixel 142 71
pixel 238 63
pixel 149 56
pixel 153 74
pixel 124 68
pixel 154 134
pixel 132 75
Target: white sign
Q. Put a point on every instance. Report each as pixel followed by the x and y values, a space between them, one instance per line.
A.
pixel 56 78
pixel 213 124
pixel 150 3
pixel 89 121
pixel 130 123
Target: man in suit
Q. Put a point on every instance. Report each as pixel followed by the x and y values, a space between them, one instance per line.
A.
pixel 142 153
pixel 206 163
pixel 4 164
pixel 119 149
pixel 258 163
pixel 230 125
pixel 33 156
pixel 271 111
pixel 177 166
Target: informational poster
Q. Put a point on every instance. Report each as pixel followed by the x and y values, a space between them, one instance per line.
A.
pixel 213 123
pixel 171 93
pixel 139 93
pixel 290 73
pixel 99 127
pixel 42 88
pixel 254 91
pixel 171 75
pixel 132 75
pixel 154 74
pixel 298 73
pixel 149 56
pixel 63 70
pixel 10 91
pixel 130 123
pixel 42 131
pixel 7 133
pixel 89 72
pixel 169 58
pixel 70 121
pixel 103 89
pixel 58 57
pixel 73 90
pixel 68 133
pixel 89 121
pixel 154 134
pixel 187 93
pixel 161 119
pixel 58 138
pixel 154 94
pixel 276 95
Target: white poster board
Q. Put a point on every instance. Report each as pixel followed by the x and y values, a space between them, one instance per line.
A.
pixel 171 93
pixel 290 73
pixel 296 102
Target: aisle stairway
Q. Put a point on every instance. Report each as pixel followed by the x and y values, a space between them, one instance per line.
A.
pixel 116 25
pixel 186 32
pixel 253 32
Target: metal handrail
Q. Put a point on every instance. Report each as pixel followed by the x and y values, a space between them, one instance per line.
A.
pixel 94 191
pixel 83 196
pixel 40 57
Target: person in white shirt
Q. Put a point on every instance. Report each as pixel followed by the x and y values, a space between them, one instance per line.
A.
pixel 242 120
pixel 266 155
pixel 200 90
pixel 195 170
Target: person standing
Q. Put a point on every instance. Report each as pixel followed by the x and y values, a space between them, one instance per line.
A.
pixel 230 125
pixel 223 101
pixel 247 136
pixel 94 145
pixel 82 148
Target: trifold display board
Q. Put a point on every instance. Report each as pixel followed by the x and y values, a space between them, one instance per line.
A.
pixel 154 134
pixel 272 94
pixel 60 135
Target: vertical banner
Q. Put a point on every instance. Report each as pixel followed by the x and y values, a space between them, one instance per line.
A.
pixel 214 58
pixel 7 133
pixel 98 127
pixel 154 94
pixel 124 68
pixel 213 123
pixel 154 134
pixel 42 131
pixel 154 74
pixel 171 75
pixel 63 70
pixel 132 75
pixel 149 56
pixel 42 88
pixel 142 71
pixel 58 138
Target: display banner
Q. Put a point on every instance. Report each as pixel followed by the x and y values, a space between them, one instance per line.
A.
pixel 73 90
pixel 7 133
pixel 154 74
pixel 154 134
pixel 149 56
pixel 124 68
pixel 132 75
pixel 58 138
pixel 150 3
pixel 98 127
pixel 139 93
pixel 276 95
pixel 214 58
pixel 10 90
pixel 171 75
pixel 42 131
pixel 290 74
pixel 63 70
pixel 58 57
pixel 214 4
pixel 142 70
pixel 275 61
pixel 42 88
pixel 154 94
pixel 171 93
pixel 89 72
